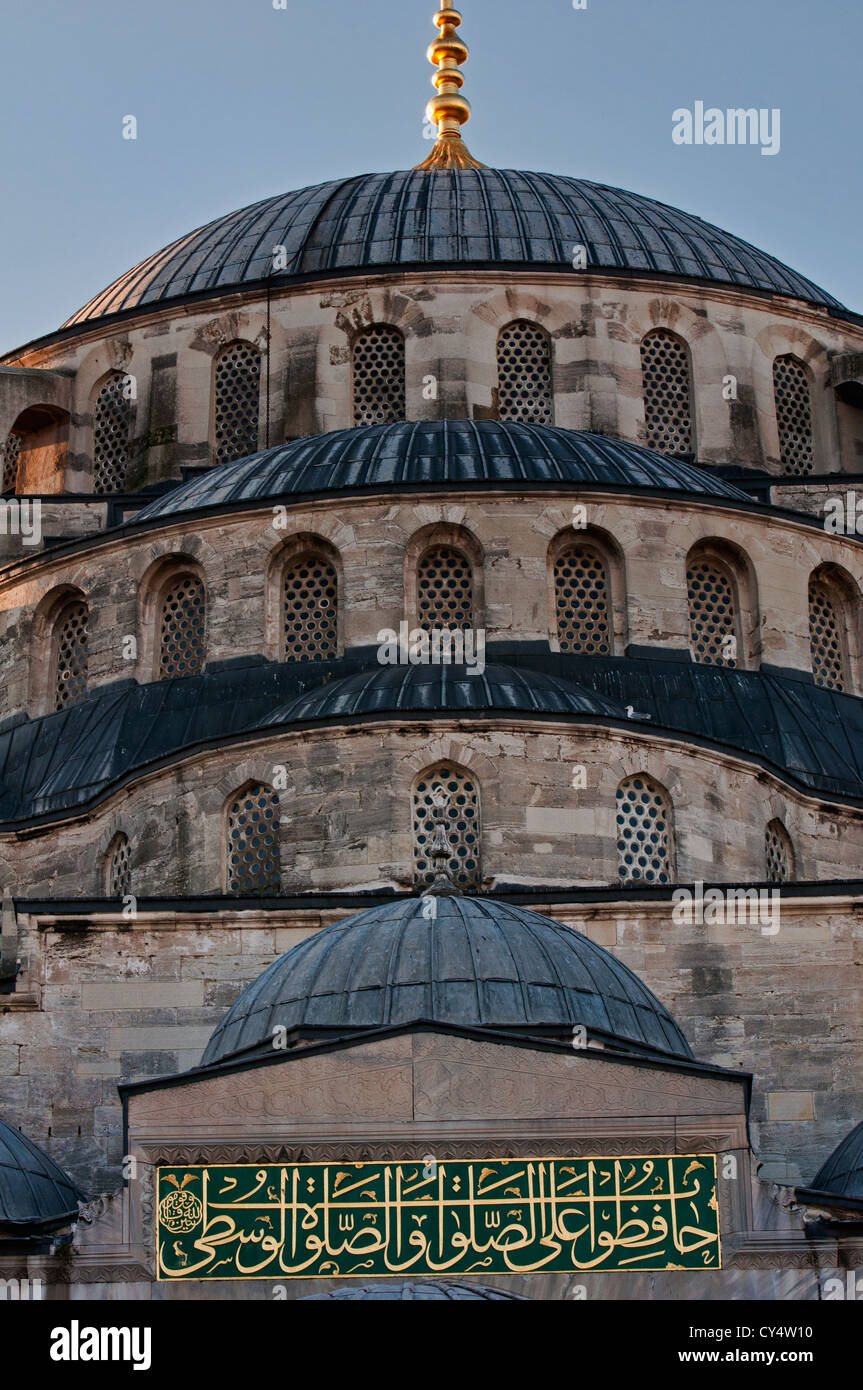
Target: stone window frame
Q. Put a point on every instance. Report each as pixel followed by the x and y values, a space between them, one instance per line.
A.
pixel 225 845
pixel 427 774
pixel 814 423
pixel 847 602
pixel 152 591
pixel 658 788
pixel 356 341
pixel 777 825
pixel 523 319
pixel 286 554
pixel 737 567
pixel 664 330
pixel 223 350
pixel 116 840
pixel 115 373
pixel 458 538
pixel 42 646
pixel 614 560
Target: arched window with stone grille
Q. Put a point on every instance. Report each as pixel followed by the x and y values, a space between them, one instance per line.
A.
pixel 713 612
pixel 827 643
pixel 524 374
pixel 118 867
pixel 236 401
pixel 378 371
pixel 182 627
pixel 112 424
pixel 644 852
pixel 445 590
pixel 793 415
pixel 254 859
pixel 582 598
pixel 457 791
pixel 10 462
pixel 70 654
pixel 779 853
pixel 667 382
pixel 310 589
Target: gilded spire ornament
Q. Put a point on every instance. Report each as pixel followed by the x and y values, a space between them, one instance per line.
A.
pixel 448 110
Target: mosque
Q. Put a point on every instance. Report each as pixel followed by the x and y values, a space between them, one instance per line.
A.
pixel 333 968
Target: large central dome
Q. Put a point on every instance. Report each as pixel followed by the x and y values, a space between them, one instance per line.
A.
pixel 459 218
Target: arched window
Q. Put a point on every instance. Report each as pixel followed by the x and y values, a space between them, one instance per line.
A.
pixel 713 612
pixel 254 858
pixel 118 867
pixel 582 600
pixel 10 462
pixel 445 590
pixel 310 589
pixel 643 831
pixel 793 415
pixel 236 396
pixel 112 423
pixel 826 636
pixel 379 376
pixel 70 654
pixel 459 792
pixel 524 374
pixel 183 628
pixel 667 378
pixel 779 853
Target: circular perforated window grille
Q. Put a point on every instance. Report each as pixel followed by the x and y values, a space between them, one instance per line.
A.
pixel 793 415
pixel 237 397
pixel 379 376
pixel 311 610
pixel 254 862
pixel 779 853
pixel 120 868
pixel 444 590
pixel 581 601
pixel 524 374
pixel 643 819
pixel 462 821
pixel 10 462
pixel 825 641
pixel 112 421
pixel 712 615
pixel 71 640
pixel 183 628
pixel 667 392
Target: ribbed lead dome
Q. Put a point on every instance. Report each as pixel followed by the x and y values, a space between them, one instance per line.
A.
pixel 842 1174
pixel 467 217
pixel 478 963
pixel 35 1193
pixel 448 453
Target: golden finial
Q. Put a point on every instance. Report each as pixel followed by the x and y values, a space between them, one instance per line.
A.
pixel 449 109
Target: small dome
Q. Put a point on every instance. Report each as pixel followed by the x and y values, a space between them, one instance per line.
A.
pixel 422 1291
pixel 423 454
pixel 480 964
pixel 842 1174
pixel 486 218
pixel 35 1194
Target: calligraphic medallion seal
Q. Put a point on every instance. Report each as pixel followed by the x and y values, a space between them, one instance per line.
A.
pixel 180 1212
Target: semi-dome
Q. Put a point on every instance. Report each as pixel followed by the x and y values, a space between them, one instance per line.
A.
pixel 427 453
pixel 35 1193
pixel 478 963
pixel 416 219
pixel 842 1174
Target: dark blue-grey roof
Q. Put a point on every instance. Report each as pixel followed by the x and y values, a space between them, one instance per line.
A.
pixel 429 453
pixel 35 1194
pixel 842 1174
pixel 477 963
pixel 476 217
pixel 422 1291
pixel 69 760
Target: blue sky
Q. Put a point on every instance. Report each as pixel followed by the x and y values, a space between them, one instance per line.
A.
pixel 236 101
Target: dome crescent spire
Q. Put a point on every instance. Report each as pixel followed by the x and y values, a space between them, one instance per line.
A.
pixel 448 109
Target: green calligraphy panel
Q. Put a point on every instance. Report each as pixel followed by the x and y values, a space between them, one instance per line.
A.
pixel 486 1216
